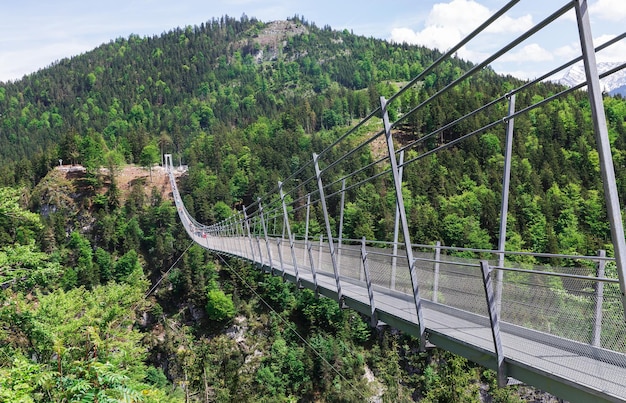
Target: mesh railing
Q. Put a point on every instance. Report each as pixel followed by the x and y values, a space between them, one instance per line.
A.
pixel 565 302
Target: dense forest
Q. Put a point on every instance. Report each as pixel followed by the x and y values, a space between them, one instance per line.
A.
pixel 102 296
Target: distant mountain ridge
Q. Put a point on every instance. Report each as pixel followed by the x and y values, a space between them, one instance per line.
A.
pixel 613 84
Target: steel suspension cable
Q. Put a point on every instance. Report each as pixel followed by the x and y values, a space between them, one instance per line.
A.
pixel 168 270
pixel 490 59
pixel 503 97
pixel 448 54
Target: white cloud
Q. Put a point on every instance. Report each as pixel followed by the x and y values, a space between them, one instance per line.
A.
pixel 508 24
pixel 614 53
pixel 529 53
pixel 611 10
pixel 568 52
pixel 462 15
pixel 434 37
pixel 448 23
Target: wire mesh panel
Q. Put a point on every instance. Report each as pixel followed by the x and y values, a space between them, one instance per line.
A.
pixel 324 260
pixel 425 265
pixel 613 326
pixel 301 254
pixel 380 264
pixel 316 252
pixel 565 306
pixel 349 261
pixel 461 284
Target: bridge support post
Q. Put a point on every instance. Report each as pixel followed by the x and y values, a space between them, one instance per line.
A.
pixel 436 272
pixel 280 256
pixel 167 164
pixel 288 227
pixel 220 234
pixel 234 243
pixel 495 322
pixel 230 246
pixel 267 241
pixel 235 236
pixel 247 220
pixel 258 244
pixel 405 226
pixel 368 281
pixel 340 236
pixel 329 233
pixel 597 322
pixel 313 272
pixel 230 235
pixel 241 236
pixel 238 235
pixel 224 235
pixel 319 251
pixel 504 207
pixel 396 230
pixel 306 224
pixel 603 144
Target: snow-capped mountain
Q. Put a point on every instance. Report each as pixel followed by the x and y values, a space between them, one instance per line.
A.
pixel 613 84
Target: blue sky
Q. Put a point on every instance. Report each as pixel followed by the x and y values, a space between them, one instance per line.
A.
pixel 34 34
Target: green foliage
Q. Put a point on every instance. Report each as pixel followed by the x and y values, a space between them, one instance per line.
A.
pixel 452 379
pixel 126 266
pixel 279 292
pixel 464 232
pixel 84 344
pixel 104 261
pixel 221 211
pixel 149 156
pixel 500 395
pixel 82 260
pixel 23 267
pixel 282 374
pixel 359 222
pixel 320 313
pixel 16 223
pixel 91 149
pixel 19 381
pixel 156 377
pixel 219 306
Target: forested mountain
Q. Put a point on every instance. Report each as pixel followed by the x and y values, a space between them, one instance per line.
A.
pixel 214 77
pixel 244 103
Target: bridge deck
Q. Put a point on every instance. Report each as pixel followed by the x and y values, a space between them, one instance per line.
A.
pixel 572 370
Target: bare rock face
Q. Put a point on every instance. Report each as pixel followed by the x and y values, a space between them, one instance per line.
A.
pixel 278 31
pixel 273 38
pixel 237 331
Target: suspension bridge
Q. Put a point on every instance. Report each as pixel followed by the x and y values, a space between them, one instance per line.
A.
pixel 559 326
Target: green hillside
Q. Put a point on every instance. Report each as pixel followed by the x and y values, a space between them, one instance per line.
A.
pixel 244 104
